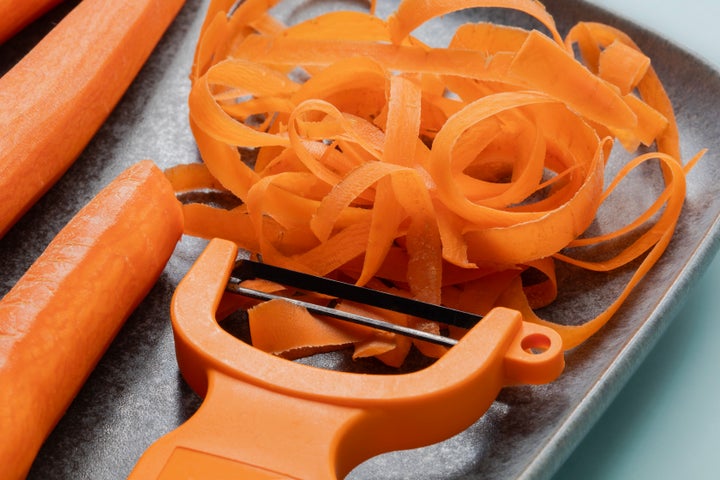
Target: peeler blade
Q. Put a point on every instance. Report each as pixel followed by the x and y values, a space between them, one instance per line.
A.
pixel 246 269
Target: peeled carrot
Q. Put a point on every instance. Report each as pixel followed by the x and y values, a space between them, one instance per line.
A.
pixel 59 94
pixel 458 173
pixel 16 15
pixel 61 316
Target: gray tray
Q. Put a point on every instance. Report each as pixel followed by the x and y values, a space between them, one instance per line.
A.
pixel 136 394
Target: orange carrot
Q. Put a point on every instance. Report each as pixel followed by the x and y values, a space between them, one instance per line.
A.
pixel 60 317
pixel 16 15
pixel 59 94
pixel 445 171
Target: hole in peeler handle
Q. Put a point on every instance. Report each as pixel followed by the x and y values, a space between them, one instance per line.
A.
pixel 536 343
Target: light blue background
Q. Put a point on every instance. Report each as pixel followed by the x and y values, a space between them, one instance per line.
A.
pixel 665 423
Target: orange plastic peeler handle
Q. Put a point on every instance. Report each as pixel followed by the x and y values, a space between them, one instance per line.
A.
pixel 265 417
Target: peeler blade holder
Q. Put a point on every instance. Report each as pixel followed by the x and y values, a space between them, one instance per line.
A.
pixel 264 417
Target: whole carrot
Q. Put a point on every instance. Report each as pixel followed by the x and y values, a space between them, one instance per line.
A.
pixel 61 316
pixel 15 15
pixel 55 99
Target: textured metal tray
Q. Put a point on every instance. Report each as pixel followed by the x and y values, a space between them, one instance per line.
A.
pixel 136 394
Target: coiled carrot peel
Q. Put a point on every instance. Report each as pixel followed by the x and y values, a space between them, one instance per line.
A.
pixel 446 173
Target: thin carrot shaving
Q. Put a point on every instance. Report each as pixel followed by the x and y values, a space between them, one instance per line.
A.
pixel 413 13
pixel 460 174
pixel 294 329
pixel 622 66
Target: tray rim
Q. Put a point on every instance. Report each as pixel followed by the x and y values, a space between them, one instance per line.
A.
pixel 574 428
pixel 605 387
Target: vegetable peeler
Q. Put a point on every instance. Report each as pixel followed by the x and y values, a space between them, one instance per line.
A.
pixel 265 417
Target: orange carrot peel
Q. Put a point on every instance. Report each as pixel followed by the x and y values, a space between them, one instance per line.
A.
pixel 446 173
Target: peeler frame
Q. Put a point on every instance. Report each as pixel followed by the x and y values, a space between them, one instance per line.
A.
pixel 266 417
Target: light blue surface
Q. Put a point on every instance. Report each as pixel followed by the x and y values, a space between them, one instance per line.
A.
pixel 665 423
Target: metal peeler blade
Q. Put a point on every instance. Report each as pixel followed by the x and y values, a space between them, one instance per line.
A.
pixel 246 269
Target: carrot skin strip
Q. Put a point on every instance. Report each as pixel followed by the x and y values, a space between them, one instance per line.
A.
pixel 224 162
pixel 591 36
pixel 546 66
pixel 410 58
pixel 291 328
pixel 191 176
pixel 60 317
pixel 59 94
pixel 384 227
pixel 208 222
pixel 410 14
pixel 622 66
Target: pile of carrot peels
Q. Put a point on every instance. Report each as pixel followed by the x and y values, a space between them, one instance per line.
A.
pixel 443 173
